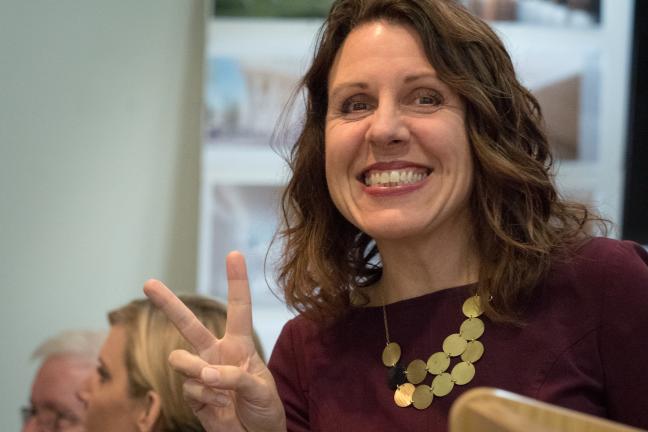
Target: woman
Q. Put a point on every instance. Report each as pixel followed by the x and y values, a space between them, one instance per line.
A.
pixel 437 256
pixel 134 389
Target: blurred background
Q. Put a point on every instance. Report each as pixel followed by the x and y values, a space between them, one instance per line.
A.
pixel 137 140
pixel 100 137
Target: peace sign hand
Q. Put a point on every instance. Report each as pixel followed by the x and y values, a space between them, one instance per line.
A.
pixel 229 388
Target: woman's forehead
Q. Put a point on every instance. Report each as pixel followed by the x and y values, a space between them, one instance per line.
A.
pixel 114 346
pixel 379 46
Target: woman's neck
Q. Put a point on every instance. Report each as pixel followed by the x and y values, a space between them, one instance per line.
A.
pixel 419 267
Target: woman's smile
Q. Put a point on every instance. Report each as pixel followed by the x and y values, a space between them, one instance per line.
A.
pixel 393 178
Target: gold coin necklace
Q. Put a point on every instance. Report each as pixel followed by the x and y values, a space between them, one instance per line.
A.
pixel 407 382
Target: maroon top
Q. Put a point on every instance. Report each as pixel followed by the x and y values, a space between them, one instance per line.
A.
pixel 584 346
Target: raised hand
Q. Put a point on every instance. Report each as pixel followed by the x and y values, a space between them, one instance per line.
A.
pixel 228 386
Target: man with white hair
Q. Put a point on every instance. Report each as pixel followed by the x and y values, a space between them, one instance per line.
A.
pixel 67 360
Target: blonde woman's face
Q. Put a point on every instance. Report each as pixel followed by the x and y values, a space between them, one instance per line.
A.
pixel 109 406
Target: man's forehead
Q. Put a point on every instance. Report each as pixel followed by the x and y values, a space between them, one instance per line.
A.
pixel 62 373
pixel 67 362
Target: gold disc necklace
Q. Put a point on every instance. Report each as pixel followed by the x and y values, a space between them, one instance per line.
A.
pixel 407 382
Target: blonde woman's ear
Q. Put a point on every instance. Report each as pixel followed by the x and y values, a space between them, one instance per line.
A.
pixel 150 413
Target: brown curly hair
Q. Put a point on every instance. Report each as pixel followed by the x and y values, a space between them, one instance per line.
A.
pixel 520 222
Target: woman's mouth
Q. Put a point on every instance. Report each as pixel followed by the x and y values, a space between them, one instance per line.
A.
pixel 395 177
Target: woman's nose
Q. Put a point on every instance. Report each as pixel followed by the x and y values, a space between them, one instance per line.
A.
pixel 387 129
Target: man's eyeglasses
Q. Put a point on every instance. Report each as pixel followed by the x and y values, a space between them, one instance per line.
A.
pixel 50 419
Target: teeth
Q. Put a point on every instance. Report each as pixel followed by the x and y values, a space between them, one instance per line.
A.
pixel 394 178
pixel 384 177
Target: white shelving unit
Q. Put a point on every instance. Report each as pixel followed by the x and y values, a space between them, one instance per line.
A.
pixel 598 176
pixel 246 179
pixel 253 166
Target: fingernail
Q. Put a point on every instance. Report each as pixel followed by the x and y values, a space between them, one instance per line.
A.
pixel 210 375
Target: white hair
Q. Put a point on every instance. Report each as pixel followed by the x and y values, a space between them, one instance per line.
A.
pixel 82 343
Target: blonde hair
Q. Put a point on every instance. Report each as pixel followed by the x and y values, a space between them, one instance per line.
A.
pixel 150 339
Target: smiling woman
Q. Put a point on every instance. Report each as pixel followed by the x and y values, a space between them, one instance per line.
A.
pixel 426 248
pixel 434 100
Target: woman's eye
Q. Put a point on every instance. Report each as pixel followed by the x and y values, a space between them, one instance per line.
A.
pixel 359 106
pixel 354 105
pixel 103 374
pixel 427 98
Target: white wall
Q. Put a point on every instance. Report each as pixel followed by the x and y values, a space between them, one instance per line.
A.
pixel 100 105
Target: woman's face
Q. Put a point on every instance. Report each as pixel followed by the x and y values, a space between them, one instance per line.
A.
pixel 398 162
pixel 109 406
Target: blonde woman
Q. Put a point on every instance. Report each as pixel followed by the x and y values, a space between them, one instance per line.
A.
pixel 134 389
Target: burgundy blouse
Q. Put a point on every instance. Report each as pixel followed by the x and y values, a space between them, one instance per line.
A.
pixel 584 347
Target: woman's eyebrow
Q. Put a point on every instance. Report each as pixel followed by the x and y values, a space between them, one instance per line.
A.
pixel 361 85
pixel 420 76
pixel 348 85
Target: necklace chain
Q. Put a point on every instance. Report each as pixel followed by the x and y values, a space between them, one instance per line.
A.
pixel 407 382
pixel 384 311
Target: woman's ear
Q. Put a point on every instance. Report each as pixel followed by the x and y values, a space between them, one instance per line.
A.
pixel 150 413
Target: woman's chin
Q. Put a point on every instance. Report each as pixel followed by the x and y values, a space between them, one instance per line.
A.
pixel 394 232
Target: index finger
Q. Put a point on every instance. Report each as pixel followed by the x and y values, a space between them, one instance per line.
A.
pixel 180 315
